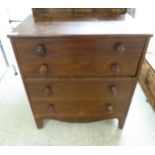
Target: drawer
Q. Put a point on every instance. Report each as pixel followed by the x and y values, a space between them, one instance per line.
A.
pixel 81 67
pixel 79 46
pixel 83 108
pixel 77 89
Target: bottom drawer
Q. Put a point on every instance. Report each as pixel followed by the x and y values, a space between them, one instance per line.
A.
pixel 79 108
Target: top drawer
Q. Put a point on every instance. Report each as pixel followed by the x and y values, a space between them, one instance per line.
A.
pixel 79 46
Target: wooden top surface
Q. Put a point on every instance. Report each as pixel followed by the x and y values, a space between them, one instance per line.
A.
pixel 124 26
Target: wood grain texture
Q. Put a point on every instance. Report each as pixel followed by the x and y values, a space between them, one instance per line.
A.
pixel 80 67
pixel 79 56
pixel 65 13
pixel 147 83
pixel 110 29
pixel 79 46
pixel 89 108
pixel 80 89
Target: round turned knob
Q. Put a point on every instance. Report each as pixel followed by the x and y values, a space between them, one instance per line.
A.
pixel 50 108
pixel 115 68
pixel 120 49
pixel 109 108
pixel 113 90
pixel 40 51
pixel 43 70
pixel 47 91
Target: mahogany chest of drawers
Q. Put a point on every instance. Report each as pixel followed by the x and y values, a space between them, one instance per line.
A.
pixel 78 71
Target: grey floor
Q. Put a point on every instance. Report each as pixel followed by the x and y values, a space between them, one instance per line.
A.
pixel 17 126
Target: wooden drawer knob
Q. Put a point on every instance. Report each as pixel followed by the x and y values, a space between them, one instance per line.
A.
pixel 43 70
pixel 113 90
pixel 109 108
pixel 120 49
pixel 40 51
pixel 50 108
pixel 115 68
pixel 47 91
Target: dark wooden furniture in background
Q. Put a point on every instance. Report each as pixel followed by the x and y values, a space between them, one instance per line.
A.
pixel 79 70
pixel 147 78
pixel 77 13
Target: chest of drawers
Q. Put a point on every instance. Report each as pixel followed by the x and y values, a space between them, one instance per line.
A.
pixel 74 71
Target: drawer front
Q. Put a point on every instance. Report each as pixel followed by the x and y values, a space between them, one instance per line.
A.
pixel 76 89
pixel 80 56
pixel 79 46
pixel 83 108
pixel 79 67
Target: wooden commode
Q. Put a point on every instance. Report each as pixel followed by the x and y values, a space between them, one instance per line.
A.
pixel 79 71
